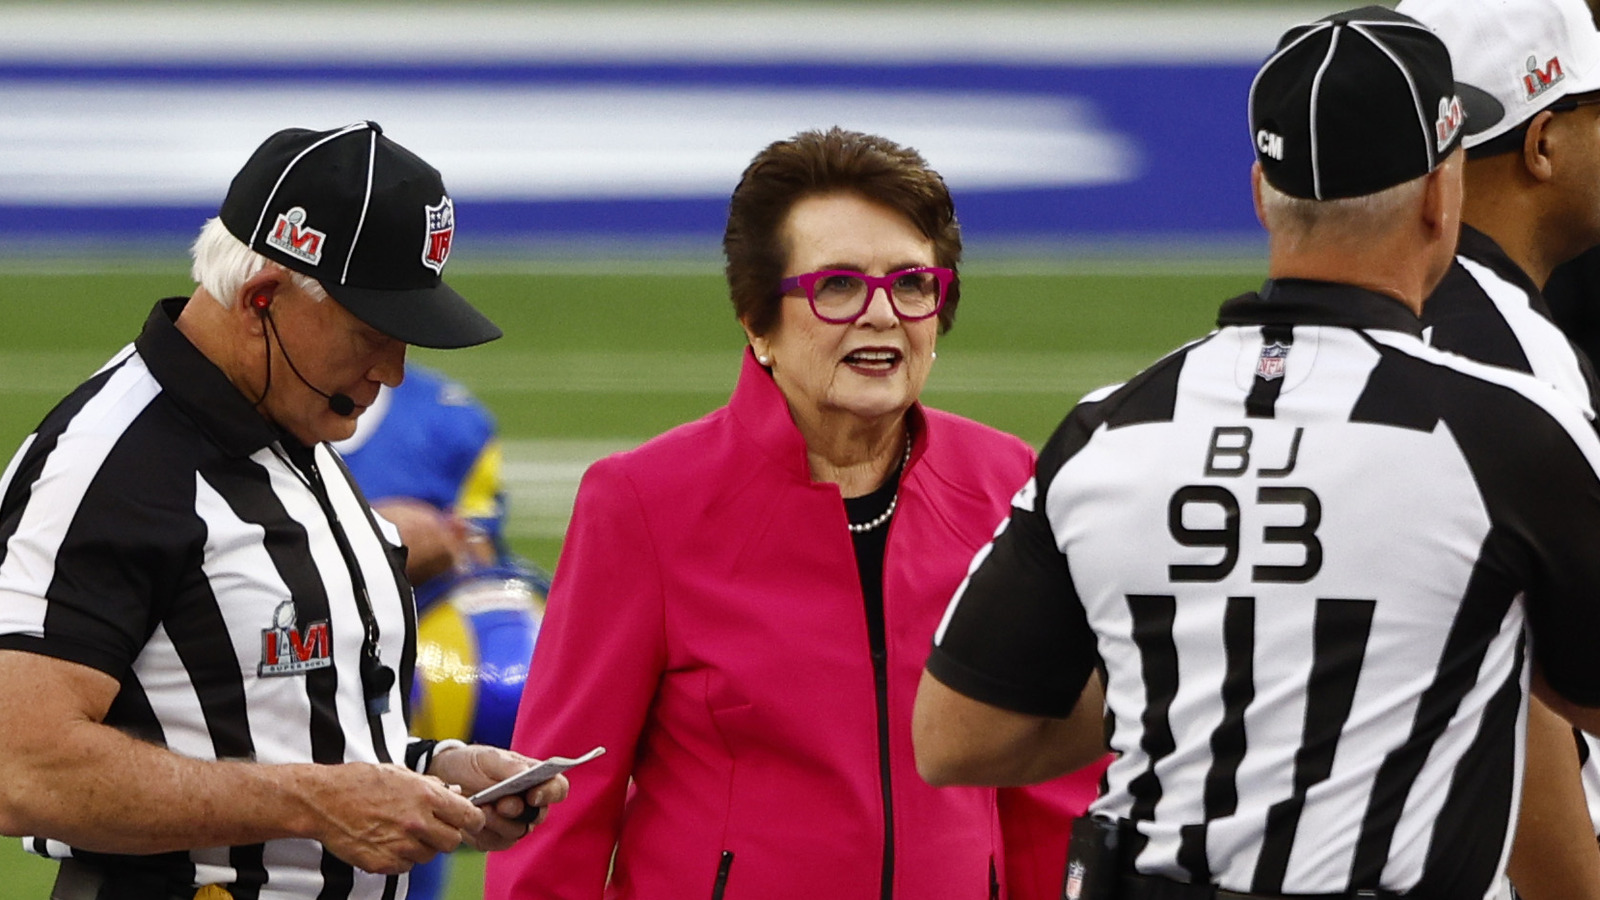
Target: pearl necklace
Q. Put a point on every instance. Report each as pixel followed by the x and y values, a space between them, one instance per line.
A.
pixel 875 523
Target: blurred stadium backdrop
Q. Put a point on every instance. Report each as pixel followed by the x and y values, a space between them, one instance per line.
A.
pixel 1098 155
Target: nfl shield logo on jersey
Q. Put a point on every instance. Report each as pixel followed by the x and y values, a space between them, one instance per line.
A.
pixel 287 650
pixel 441 229
pixel 1270 365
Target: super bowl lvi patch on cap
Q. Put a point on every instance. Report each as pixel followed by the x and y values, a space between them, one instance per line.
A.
pixel 1354 103
pixel 368 219
pixel 1513 57
pixel 293 236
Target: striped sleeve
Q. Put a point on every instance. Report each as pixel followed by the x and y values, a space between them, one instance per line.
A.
pixel 92 532
pixel 1015 635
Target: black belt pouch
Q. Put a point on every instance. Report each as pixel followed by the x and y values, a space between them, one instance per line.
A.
pixel 1094 860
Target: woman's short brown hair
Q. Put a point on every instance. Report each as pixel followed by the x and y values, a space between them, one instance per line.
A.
pixel 813 163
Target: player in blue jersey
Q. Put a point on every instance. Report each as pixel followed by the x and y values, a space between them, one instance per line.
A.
pixel 428 456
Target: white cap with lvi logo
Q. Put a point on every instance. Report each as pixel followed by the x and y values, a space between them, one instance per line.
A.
pixel 1513 58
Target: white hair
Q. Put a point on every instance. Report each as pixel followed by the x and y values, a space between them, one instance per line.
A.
pixel 1296 218
pixel 222 264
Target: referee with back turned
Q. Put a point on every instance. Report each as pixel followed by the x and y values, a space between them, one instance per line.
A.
pixel 206 636
pixel 1303 554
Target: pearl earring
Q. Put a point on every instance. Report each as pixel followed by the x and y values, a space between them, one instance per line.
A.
pixel 764 359
pixel 933 354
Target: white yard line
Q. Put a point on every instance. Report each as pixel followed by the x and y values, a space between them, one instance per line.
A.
pixel 541 479
pixel 32 372
pixel 542 474
pixel 119 143
pixel 958 371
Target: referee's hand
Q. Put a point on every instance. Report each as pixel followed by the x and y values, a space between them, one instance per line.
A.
pixel 477 766
pixel 385 819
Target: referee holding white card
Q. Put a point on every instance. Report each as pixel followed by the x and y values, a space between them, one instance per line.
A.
pixel 206 636
pixel 1302 551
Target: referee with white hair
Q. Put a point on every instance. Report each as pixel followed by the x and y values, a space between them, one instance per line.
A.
pixel 206 636
pixel 1302 554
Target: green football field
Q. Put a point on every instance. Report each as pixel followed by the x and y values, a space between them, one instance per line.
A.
pixel 599 356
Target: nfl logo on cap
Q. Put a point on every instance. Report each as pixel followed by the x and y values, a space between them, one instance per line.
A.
pixel 441 228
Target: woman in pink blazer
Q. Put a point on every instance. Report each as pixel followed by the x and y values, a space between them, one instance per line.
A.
pixel 743 605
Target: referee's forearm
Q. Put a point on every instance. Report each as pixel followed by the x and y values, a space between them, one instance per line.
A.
pixel 1554 856
pixel 961 741
pixel 66 776
pixel 173 803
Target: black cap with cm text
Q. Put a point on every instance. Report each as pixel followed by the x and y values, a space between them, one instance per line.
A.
pixel 1354 103
pixel 365 217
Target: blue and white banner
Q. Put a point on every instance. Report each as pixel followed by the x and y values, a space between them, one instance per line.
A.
pixel 630 125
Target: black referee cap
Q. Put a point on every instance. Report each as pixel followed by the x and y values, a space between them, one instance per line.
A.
pixel 1354 103
pixel 365 217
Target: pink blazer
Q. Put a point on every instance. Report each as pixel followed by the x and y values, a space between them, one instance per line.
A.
pixel 706 626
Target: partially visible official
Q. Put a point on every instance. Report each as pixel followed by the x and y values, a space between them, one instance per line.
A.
pixel 206 637
pixel 1532 202
pixel 1307 558
pixel 1532 175
pixel 1573 294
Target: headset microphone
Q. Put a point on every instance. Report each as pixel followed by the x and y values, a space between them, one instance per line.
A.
pixel 339 403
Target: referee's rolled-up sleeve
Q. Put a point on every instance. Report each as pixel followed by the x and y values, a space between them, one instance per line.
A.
pixel 85 578
pixel 1015 635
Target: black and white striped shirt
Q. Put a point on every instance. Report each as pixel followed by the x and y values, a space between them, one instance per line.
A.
pixel 1488 309
pixel 1300 548
pixel 157 528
